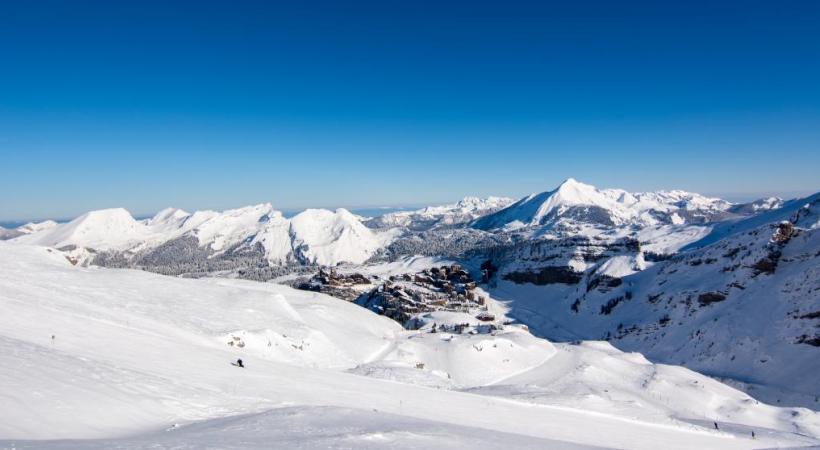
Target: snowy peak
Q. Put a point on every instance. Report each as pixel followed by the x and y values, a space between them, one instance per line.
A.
pixel 325 237
pixel 233 226
pixel 274 237
pixel 573 193
pixel 102 229
pixel 536 209
pixel 573 201
pixel 168 215
pixel 574 189
pixel 167 220
pixel 315 236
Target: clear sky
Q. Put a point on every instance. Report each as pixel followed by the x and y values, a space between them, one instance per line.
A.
pixel 221 104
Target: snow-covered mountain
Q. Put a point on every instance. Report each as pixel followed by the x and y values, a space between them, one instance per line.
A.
pixel 742 304
pixel 103 229
pixel 574 201
pixel 324 237
pixel 174 219
pixel 130 359
pixel 29 228
pixel 313 236
pixel 431 217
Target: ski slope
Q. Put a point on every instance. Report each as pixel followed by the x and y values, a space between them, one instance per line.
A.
pixel 120 356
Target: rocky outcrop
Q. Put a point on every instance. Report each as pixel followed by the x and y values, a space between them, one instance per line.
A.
pixel 707 298
pixel 545 275
pixel 785 231
pixel 332 282
pixel 404 297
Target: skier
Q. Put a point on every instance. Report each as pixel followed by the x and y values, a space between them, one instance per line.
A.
pixel 239 363
pixel 716 427
pixel 753 435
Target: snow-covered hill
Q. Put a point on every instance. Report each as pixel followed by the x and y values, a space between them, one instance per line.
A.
pixel 121 355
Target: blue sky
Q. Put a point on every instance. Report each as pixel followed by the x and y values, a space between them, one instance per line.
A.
pixel 217 105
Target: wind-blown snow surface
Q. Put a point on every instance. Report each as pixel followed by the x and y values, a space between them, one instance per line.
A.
pixel 103 353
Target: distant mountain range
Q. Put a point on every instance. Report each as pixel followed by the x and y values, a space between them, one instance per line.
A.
pixel 330 237
pixel 313 236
